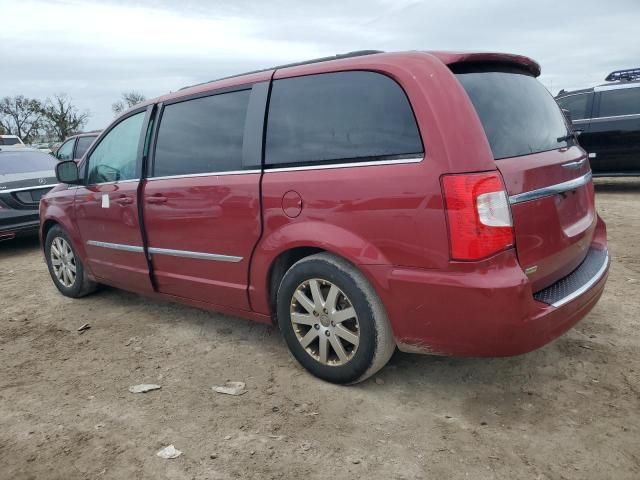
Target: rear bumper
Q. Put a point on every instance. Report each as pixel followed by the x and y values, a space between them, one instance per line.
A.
pixel 483 309
pixel 17 222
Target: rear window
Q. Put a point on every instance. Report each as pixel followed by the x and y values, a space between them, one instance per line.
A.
pixel 334 117
pixel 519 115
pixel 624 101
pixel 9 141
pixel 26 162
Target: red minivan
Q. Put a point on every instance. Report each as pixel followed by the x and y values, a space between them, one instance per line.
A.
pixel 432 201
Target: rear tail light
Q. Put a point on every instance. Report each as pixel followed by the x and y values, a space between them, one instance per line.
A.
pixel 478 214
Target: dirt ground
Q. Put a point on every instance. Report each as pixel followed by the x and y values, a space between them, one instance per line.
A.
pixel 568 411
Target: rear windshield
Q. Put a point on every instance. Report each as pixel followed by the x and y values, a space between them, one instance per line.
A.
pixel 9 141
pixel 26 162
pixel 517 112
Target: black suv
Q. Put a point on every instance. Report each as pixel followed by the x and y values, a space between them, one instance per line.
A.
pixel 607 117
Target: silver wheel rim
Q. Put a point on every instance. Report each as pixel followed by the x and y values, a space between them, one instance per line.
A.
pixel 325 322
pixel 63 262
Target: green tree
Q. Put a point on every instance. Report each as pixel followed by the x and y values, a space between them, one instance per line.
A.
pixel 128 100
pixel 21 116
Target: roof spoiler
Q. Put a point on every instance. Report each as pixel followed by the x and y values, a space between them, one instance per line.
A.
pixel 629 74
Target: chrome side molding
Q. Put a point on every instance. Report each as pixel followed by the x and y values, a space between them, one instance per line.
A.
pixel 551 189
pixel 116 246
pixel 198 255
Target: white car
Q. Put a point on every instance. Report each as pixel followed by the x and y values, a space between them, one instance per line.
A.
pixel 11 140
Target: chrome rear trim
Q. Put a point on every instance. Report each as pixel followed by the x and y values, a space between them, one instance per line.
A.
pixel 551 189
pixel 22 189
pixel 198 255
pixel 116 246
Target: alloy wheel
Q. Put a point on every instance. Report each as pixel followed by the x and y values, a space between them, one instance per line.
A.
pixel 63 262
pixel 325 322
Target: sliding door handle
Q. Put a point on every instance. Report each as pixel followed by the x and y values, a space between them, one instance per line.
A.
pixel 156 199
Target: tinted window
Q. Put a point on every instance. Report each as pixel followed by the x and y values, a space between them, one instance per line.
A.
pixel 65 152
pixel 202 135
pixel 625 101
pixel 26 162
pixel 339 116
pixel 82 146
pixel 518 114
pixel 9 141
pixel 116 156
pixel 576 104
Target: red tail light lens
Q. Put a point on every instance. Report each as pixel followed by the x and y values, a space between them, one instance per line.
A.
pixel 478 214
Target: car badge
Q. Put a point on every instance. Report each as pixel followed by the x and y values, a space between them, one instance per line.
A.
pixel 42 181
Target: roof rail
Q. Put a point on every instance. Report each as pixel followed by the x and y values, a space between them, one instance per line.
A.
pixel 340 56
pixel 629 74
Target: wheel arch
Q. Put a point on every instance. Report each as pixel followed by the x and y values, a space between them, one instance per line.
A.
pixel 280 249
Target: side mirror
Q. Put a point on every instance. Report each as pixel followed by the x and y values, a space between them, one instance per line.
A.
pixel 67 172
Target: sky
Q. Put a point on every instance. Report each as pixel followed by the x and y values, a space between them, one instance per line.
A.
pixel 95 50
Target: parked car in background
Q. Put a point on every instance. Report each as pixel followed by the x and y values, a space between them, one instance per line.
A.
pixel 26 174
pixel 607 118
pixel 76 146
pixel 10 140
pixel 433 201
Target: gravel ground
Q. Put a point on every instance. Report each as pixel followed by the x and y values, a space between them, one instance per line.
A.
pixel 570 410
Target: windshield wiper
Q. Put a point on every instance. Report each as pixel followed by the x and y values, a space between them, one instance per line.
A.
pixel 567 137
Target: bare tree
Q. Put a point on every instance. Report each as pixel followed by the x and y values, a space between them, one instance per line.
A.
pixel 62 117
pixel 128 100
pixel 21 116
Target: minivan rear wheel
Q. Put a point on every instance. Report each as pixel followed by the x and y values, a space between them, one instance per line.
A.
pixel 332 320
pixel 65 267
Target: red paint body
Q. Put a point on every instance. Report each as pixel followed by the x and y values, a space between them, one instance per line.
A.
pixel 389 220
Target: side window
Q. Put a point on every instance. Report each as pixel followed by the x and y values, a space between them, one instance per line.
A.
pixel 65 152
pixel 625 101
pixel 576 104
pixel 338 117
pixel 202 135
pixel 116 156
pixel 82 146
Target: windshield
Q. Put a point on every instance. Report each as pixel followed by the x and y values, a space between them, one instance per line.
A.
pixel 517 112
pixel 26 162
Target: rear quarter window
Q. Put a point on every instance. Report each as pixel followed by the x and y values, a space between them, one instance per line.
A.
pixel 519 115
pixel 336 117
pixel 576 104
pixel 624 101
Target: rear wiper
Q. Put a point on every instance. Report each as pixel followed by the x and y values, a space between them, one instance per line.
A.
pixel 567 137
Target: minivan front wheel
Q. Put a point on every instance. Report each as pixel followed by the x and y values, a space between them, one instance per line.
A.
pixel 66 269
pixel 332 320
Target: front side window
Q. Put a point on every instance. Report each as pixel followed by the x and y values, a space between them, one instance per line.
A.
pixel 116 156
pixel 203 135
pixel 519 115
pixel 82 146
pixel 65 152
pixel 625 101
pixel 343 116
pixel 576 104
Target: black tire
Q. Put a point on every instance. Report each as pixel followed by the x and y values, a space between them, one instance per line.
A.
pixel 376 342
pixel 81 285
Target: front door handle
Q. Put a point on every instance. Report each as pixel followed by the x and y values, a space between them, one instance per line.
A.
pixel 124 201
pixel 157 199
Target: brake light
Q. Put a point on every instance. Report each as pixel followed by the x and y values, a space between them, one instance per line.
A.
pixel 478 214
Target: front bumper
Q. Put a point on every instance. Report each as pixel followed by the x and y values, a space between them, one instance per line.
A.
pixel 480 309
pixel 17 222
